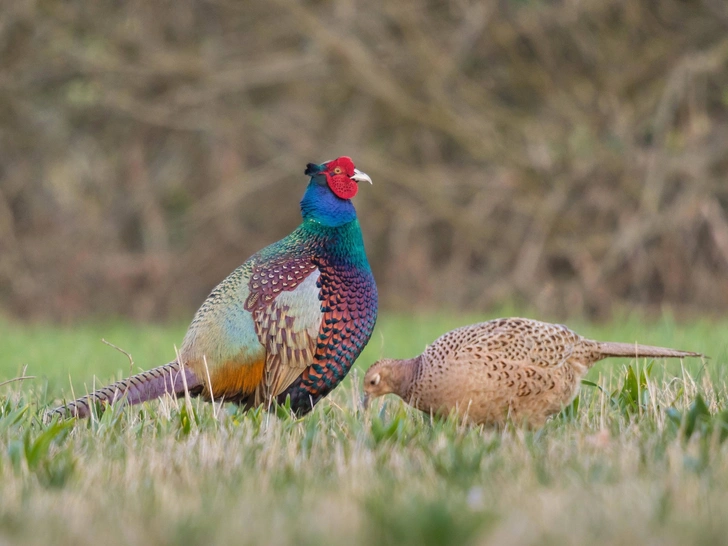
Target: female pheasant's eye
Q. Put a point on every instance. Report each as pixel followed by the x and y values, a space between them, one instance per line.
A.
pixel 373 382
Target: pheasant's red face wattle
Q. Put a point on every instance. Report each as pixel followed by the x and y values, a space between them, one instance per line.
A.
pixel 338 176
pixel 343 186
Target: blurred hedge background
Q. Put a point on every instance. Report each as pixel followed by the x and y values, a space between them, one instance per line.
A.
pixel 570 155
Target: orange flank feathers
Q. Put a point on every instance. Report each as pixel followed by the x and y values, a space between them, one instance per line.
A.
pixel 233 379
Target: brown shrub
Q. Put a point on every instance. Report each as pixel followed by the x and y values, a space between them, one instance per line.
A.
pixel 566 154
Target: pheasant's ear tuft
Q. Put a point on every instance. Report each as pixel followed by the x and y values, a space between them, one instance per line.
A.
pixel 312 169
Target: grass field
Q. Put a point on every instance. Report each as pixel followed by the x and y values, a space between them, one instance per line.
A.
pixel 641 459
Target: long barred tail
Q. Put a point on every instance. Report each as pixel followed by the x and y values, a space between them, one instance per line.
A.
pixel 610 348
pixel 134 390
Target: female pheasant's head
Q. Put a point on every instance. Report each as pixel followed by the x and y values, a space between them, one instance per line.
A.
pixel 387 376
pixel 328 197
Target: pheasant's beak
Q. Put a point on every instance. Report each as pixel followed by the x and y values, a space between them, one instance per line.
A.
pixel 361 177
pixel 365 401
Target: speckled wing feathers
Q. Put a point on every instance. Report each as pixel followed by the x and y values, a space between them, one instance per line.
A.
pixel 271 277
pixel 521 341
pixel 284 302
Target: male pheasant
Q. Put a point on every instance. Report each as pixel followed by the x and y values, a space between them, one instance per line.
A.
pixel 289 322
pixel 514 368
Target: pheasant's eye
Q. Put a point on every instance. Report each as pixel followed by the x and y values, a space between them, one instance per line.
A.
pixel 338 170
pixel 375 380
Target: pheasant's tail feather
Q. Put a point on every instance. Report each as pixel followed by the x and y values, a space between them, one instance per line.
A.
pixel 633 350
pixel 167 379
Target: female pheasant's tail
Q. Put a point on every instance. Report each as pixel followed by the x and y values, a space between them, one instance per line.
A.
pixel 167 379
pixel 633 350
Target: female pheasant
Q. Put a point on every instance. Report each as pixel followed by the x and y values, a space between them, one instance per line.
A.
pixel 511 367
pixel 290 321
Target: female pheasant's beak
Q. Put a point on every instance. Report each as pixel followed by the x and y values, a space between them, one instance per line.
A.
pixel 361 177
pixel 371 387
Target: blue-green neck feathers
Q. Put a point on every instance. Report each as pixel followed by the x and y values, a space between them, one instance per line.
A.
pixel 321 205
pixel 341 244
pixel 329 223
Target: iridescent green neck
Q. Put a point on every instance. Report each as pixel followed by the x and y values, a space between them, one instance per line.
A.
pixel 342 243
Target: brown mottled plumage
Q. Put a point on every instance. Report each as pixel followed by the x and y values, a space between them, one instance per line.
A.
pixel 514 368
